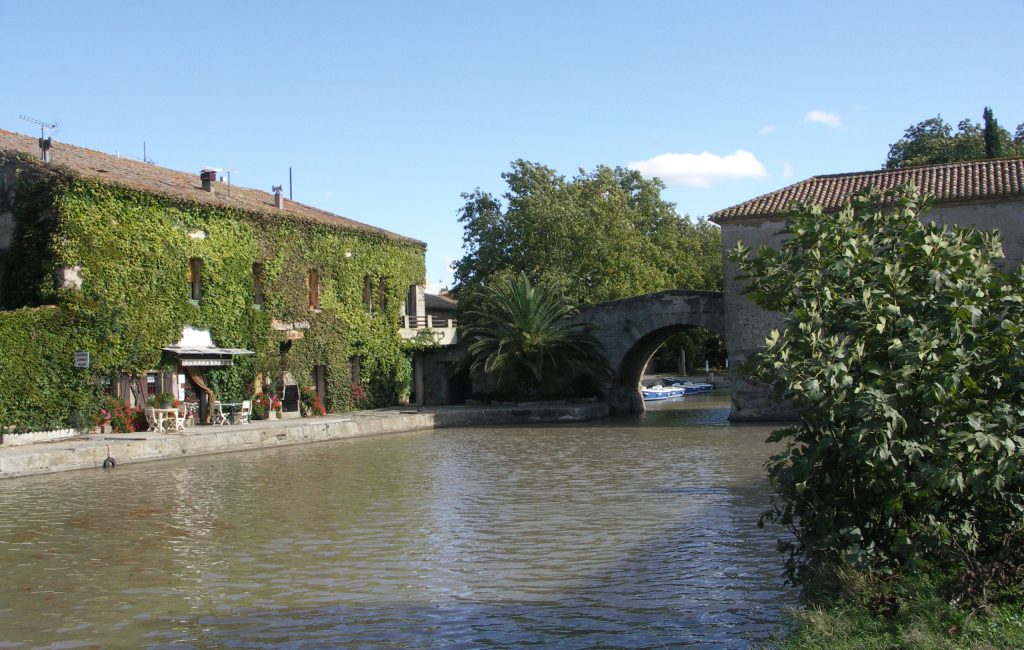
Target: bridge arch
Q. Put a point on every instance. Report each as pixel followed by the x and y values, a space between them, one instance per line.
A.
pixel 632 330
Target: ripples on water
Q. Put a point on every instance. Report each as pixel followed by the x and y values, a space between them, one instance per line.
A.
pixel 624 533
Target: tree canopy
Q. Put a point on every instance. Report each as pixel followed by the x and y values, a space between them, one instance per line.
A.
pixel 933 141
pixel 901 350
pixel 598 236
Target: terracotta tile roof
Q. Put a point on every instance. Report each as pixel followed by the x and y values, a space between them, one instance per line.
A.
pixel 179 185
pixel 948 182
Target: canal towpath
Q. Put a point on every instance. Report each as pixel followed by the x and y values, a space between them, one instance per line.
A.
pixel 90 451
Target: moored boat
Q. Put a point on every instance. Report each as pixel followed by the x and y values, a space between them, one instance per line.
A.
pixel 689 386
pixel 651 393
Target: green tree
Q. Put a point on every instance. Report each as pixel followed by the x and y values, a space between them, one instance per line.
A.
pixel 993 134
pixel 519 335
pixel 597 236
pixel 696 346
pixel 933 141
pixel 901 351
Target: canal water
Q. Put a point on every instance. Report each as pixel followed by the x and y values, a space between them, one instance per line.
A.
pixel 631 533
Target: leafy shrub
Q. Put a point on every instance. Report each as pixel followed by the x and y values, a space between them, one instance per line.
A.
pixel 900 348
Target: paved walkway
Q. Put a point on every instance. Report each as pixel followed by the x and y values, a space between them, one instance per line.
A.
pixel 90 451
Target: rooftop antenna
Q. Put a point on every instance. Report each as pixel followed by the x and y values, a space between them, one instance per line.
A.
pixel 145 157
pixel 44 142
pixel 43 126
pixel 229 179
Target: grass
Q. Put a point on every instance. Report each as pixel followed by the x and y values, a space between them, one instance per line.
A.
pixel 849 610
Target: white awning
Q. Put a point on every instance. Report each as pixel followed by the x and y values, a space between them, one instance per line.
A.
pixel 206 362
pixel 196 348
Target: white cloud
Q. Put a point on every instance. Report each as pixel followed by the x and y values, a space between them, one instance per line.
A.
pixel 700 169
pixel 821 117
pixel 767 130
pixel 787 170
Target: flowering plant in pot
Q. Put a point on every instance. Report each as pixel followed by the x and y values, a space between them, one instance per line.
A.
pixel 260 407
pixel 114 416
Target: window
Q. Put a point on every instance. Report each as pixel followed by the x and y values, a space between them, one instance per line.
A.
pixel 195 278
pixel 313 287
pixel 257 283
pixel 368 294
pixel 320 383
pixel 354 371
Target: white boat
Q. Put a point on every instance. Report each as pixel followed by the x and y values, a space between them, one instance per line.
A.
pixel 651 393
pixel 689 386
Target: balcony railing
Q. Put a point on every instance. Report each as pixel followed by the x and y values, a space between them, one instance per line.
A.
pixel 444 329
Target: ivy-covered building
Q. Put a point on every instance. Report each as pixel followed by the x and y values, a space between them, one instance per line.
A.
pixel 120 258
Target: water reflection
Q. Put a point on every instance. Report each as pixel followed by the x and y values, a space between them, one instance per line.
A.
pixel 635 533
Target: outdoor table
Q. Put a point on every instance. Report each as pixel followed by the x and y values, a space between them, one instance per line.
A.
pixel 164 415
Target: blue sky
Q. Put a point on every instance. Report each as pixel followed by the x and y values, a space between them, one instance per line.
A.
pixel 388 111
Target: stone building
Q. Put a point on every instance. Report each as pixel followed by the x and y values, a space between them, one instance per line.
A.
pixel 178 282
pixel 984 194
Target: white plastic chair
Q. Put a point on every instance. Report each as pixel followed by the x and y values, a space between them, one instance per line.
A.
pixel 179 418
pixel 218 415
pixel 242 416
pixel 154 425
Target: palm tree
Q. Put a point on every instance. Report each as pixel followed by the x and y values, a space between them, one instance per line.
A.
pixel 521 336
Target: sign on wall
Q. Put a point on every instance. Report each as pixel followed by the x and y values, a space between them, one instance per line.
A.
pixel 81 359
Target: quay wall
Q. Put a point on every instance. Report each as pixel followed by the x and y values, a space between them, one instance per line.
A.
pixel 91 451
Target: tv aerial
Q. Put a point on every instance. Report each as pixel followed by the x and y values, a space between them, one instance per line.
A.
pixel 43 126
pixel 44 142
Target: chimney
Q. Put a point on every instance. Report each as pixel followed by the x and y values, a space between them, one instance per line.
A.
pixel 278 199
pixel 44 148
pixel 209 177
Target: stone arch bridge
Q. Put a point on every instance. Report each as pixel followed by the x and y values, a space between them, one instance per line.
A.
pixel 632 330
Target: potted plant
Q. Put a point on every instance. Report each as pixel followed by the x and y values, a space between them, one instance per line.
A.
pixel 260 405
pixel 165 400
